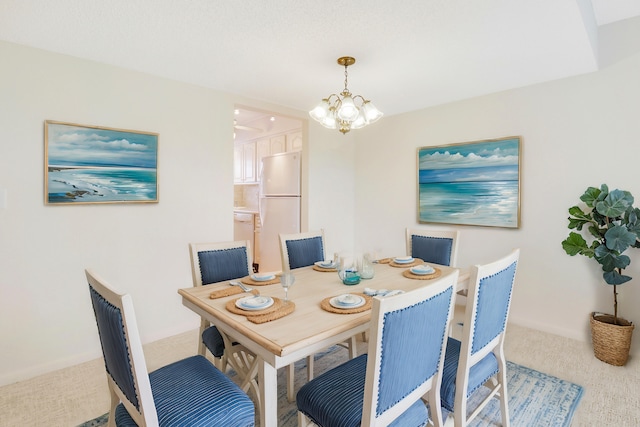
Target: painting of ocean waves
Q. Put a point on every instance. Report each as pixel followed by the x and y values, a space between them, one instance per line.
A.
pixel 471 183
pixel 88 164
pixel 107 184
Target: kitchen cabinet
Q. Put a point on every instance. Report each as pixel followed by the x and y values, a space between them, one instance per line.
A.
pixel 244 163
pixel 263 148
pixel 278 144
pixel 294 141
pixel 238 164
pixel 248 156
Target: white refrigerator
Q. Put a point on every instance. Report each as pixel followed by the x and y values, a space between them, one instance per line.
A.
pixel 279 205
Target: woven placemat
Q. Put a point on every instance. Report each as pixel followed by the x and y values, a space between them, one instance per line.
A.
pixel 225 292
pixel 285 309
pixel 384 261
pixel 323 269
pixel 410 275
pixel 416 261
pixel 277 310
pixel 328 307
pixel 249 281
pixel 231 306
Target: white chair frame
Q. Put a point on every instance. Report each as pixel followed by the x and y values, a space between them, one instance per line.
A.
pixel 429 390
pixel 350 345
pixel 241 360
pixel 147 414
pixel 284 253
pixel 454 235
pixel 498 383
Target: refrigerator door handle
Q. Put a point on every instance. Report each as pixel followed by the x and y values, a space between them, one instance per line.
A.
pixel 261 211
pixel 261 201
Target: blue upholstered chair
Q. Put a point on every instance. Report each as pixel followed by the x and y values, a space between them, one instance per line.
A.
pixel 479 359
pixel 218 262
pixel 431 245
pixel 403 365
pixel 303 250
pixel 189 392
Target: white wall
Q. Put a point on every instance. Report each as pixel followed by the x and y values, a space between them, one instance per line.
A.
pixel 360 187
pixel 577 132
pixel 46 320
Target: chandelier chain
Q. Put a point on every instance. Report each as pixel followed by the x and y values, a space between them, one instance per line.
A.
pixel 345 78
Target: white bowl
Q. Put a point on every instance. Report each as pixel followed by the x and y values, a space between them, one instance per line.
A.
pixel 325 264
pixel 263 277
pixel 352 301
pixel 254 303
pixel 422 269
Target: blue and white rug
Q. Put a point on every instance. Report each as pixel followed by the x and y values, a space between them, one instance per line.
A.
pixel 535 399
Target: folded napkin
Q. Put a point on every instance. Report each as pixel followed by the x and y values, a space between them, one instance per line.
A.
pixel 225 292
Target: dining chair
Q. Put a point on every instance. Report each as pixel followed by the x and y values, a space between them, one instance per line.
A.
pixel 478 359
pixel 439 246
pixel 218 262
pixel 433 245
pixel 403 366
pixel 303 250
pixel 191 391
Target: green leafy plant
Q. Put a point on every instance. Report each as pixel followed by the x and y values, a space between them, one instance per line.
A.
pixel 613 223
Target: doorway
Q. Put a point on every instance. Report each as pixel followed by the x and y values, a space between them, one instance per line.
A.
pixel 262 135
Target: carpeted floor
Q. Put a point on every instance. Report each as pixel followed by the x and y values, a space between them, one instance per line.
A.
pixel 535 398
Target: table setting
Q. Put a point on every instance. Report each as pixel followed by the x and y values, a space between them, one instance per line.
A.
pixel 346 303
pixel 255 307
pixel 261 279
pixel 325 266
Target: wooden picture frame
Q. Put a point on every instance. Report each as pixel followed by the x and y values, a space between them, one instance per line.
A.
pixel 471 183
pixel 94 164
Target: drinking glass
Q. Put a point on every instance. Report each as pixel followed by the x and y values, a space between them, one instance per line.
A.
pixel 286 280
pixel 348 270
pixel 367 269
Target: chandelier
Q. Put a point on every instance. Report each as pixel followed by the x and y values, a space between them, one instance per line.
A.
pixel 341 111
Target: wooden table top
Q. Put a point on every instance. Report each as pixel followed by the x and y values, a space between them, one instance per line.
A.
pixel 309 323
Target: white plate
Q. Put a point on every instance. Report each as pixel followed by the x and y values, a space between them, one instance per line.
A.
pixel 403 260
pixel 325 264
pixel 352 301
pixel 422 270
pixel 254 303
pixel 262 277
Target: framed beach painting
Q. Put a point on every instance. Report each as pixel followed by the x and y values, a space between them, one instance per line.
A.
pixel 92 164
pixel 471 183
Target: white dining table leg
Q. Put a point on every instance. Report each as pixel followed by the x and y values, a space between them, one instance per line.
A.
pixel 268 379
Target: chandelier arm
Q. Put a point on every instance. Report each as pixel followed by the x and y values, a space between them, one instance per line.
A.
pixel 359 96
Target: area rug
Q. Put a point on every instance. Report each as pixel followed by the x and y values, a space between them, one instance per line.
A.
pixel 535 398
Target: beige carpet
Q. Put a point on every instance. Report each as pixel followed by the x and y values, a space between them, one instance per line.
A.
pixel 74 395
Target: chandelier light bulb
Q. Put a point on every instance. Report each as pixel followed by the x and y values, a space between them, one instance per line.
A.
pixel 360 121
pixel 372 114
pixel 342 111
pixel 348 110
pixel 329 120
pixel 320 111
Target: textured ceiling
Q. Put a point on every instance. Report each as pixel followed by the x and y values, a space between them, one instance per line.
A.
pixel 410 54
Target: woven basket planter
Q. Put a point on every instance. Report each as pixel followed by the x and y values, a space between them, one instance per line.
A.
pixel 611 343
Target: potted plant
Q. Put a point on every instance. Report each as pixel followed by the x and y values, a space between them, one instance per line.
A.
pixel 613 225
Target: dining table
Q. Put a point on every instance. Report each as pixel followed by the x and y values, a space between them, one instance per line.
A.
pixel 309 327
